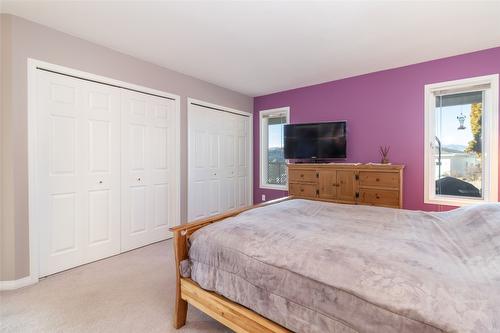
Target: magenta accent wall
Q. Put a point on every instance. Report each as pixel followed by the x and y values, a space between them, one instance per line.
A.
pixel 381 108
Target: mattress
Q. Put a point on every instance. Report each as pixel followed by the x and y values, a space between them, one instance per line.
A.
pixel 314 266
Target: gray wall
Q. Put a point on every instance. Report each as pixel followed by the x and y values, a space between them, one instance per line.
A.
pixel 25 39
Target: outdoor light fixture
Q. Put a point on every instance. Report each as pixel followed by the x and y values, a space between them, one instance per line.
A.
pixel 461 119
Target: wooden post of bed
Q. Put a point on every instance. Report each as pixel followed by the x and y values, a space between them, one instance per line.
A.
pixel 180 248
pixel 233 315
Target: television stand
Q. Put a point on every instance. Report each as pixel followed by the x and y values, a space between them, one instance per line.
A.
pixel 351 183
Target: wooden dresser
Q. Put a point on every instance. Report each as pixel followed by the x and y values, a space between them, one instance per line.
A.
pixel 366 184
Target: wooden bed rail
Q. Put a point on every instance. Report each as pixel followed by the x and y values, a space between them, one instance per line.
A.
pixel 181 236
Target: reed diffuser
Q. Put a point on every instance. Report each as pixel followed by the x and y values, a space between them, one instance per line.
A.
pixel 384 152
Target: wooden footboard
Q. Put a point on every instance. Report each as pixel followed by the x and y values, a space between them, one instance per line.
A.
pixel 233 315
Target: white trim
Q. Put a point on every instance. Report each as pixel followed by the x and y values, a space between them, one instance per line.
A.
pixel 19 283
pixel 33 219
pixel 263 147
pixel 191 100
pixel 490 173
pixel 33 63
pixel 215 107
pixel 34 235
pixel 177 171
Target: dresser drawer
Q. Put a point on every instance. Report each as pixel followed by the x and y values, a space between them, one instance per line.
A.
pixel 379 179
pixel 379 197
pixel 302 176
pixel 303 190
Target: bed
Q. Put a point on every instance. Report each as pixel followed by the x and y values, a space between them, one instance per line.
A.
pixel 311 266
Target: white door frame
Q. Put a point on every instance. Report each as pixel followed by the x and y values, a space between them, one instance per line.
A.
pixel 215 107
pixel 34 220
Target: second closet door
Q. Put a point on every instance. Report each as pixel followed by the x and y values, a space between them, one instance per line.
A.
pixel 234 161
pixel 148 160
pixel 218 162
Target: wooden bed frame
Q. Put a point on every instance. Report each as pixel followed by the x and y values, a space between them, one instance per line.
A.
pixel 229 313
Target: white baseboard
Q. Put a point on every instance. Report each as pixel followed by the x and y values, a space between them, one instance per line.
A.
pixel 19 283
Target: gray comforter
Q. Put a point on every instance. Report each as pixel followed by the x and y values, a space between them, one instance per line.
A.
pixel 322 267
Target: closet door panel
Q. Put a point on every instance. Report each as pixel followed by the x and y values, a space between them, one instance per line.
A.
pixel 242 168
pixel 63 140
pixel 138 211
pixel 100 223
pixel 218 162
pixel 59 110
pixel 63 224
pixel 135 171
pixel 100 142
pixel 161 136
pixel 162 211
pixel 137 148
pixel 148 166
pixel 204 189
pixel 78 133
pixel 229 155
pixel 101 153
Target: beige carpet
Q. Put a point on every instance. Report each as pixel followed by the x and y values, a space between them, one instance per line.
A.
pixel 131 292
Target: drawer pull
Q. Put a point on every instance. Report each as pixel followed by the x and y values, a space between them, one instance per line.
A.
pixel 302 175
pixel 301 190
pixel 378 179
pixel 377 196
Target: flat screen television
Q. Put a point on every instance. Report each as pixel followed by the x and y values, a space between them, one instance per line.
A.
pixel 315 141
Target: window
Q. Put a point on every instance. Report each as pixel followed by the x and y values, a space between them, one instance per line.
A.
pixel 461 141
pixel 272 158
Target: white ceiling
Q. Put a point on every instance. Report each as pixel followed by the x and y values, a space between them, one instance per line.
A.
pixel 258 48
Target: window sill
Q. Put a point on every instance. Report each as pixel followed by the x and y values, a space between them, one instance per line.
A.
pixel 274 187
pixel 456 202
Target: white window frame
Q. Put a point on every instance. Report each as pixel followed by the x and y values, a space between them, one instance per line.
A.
pixel 490 141
pixel 263 116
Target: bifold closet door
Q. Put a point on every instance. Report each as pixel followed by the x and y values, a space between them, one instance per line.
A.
pixel 235 163
pixel 77 170
pixel 205 176
pixel 218 162
pixel 149 193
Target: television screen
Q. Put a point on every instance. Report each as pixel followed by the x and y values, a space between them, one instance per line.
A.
pixel 315 141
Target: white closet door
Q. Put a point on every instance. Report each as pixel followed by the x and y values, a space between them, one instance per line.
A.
pixel 204 189
pixel 242 169
pixel 149 192
pixel 229 153
pixel 101 138
pixel 235 162
pixel 218 162
pixel 78 168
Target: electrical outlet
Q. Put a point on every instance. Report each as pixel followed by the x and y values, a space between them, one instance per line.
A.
pixel 263 197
